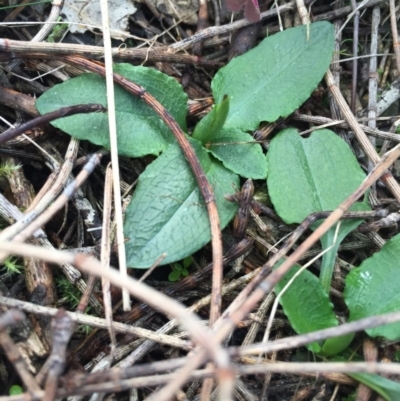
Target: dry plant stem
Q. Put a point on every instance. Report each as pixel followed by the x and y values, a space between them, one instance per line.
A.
pixel 328 122
pixel 112 126
pixel 14 355
pixel 18 101
pixel 58 356
pixel 355 54
pixel 299 368
pixel 157 300
pixel 38 274
pixel 373 74
pixel 69 191
pixel 105 257
pixel 360 135
pixel 46 118
pixel 92 321
pixel 97 52
pixel 395 34
pixel 60 173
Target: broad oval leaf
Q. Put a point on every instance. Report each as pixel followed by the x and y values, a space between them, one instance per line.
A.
pixel 307 175
pixel 309 309
pixel 276 77
pixel 140 130
pixel 167 213
pixel 373 288
pixel 239 153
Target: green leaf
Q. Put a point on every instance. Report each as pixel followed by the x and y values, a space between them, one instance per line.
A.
pixel 167 213
pixel 311 175
pixel 174 275
pixel 239 153
pixel 187 262
pixel 388 389
pixel 276 77
pixel 373 288
pixel 308 309
pixel 140 130
pixel 212 123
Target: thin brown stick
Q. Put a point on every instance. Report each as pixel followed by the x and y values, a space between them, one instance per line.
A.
pixel 105 257
pixel 46 118
pixel 58 356
pixel 92 321
pixel 97 52
pixel 388 178
pixel 395 34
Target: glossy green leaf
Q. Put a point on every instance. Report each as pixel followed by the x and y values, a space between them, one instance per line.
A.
pixel 308 309
pixel 140 130
pixel 276 77
pixel 239 153
pixel 307 175
pixel 209 126
pixel 373 288
pixel 167 213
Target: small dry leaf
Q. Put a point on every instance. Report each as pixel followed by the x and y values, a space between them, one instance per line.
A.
pixel 251 8
pixel 86 15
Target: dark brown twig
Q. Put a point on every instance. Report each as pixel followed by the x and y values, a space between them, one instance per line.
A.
pixel 13 354
pixel 54 115
pixel 61 335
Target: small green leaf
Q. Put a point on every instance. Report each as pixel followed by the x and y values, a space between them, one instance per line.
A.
pixel 15 390
pixel 140 130
pixel 373 288
pixel 174 275
pixel 308 309
pixel 239 153
pixel 167 213
pixel 187 262
pixel 177 266
pixel 185 273
pixel 334 345
pixel 312 175
pixel 276 77
pixel 212 123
